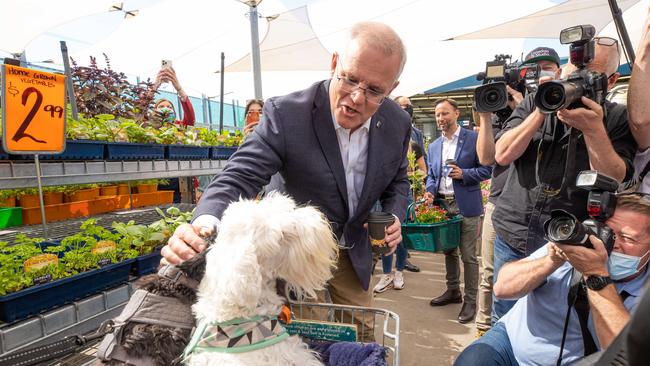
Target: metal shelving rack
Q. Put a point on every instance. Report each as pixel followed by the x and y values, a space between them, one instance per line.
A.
pixel 23 174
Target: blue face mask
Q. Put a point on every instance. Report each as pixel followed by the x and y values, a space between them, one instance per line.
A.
pixel 622 266
pixel 166 115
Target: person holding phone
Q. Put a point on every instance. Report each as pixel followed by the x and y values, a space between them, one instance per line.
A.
pixel 253 113
pixel 164 110
pixel 454 176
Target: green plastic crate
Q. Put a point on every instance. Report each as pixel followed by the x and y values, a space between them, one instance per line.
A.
pixel 12 216
pixel 439 237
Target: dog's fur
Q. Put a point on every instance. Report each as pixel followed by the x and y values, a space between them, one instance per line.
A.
pixel 257 243
pixel 159 343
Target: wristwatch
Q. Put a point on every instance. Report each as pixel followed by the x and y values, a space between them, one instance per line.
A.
pixel 597 283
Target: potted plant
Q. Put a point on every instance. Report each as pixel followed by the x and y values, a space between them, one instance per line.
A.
pixel 81 192
pixel 28 197
pixel 108 189
pixel 7 198
pixel 147 186
pixel 53 195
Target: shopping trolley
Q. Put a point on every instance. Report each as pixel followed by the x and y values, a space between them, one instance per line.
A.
pixel 388 320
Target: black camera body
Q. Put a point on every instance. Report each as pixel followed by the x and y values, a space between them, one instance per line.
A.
pixel 566 94
pixel 492 96
pixel 565 228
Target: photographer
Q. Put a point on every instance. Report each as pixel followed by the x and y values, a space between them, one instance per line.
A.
pixel 490 126
pixel 547 151
pixel 532 331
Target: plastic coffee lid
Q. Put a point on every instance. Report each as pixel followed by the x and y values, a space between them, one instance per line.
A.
pixel 380 217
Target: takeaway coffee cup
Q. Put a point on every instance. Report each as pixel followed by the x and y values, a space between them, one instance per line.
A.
pixel 377 224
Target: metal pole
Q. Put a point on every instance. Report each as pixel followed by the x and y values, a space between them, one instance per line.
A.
pixel 205 109
pixel 68 81
pixel 622 31
pixel 234 114
pixel 255 52
pixel 40 195
pixel 210 113
pixel 223 58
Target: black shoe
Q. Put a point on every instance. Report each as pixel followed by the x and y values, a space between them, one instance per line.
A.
pixel 449 297
pixel 411 267
pixel 467 313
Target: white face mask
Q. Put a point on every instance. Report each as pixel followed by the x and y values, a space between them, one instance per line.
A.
pixel 543 73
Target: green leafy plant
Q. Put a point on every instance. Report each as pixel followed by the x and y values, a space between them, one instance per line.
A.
pixel 13 276
pixel 140 238
pixel 430 214
pixel 415 176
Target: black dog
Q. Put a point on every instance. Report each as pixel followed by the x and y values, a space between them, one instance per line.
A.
pixel 156 324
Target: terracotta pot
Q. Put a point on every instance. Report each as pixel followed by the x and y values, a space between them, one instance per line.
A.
pixel 123 189
pixel 147 188
pixel 83 195
pixel 29 200
pixel 108 191
pixel 52 198
pixel 8 202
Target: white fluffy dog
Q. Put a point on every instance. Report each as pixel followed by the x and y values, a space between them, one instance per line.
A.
pixel 257 243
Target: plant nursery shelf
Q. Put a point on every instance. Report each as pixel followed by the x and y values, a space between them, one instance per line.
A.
pixel 23 175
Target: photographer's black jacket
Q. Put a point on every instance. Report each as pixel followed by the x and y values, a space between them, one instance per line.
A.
pixel 525 204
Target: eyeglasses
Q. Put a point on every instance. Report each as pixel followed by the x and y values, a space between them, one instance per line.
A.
pixel 606 41
pixel 350 86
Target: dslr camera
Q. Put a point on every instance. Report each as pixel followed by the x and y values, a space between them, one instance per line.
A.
pixel 564 228
pixel 492 96
pixel 565 94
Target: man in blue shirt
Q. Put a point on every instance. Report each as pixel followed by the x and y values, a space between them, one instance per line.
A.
pixel 532 331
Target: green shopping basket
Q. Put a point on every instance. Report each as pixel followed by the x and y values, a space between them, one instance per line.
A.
pixel 439 237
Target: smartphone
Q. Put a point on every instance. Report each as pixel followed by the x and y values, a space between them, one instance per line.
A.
pixel 451 162
pixel 252 117
pixel 166 63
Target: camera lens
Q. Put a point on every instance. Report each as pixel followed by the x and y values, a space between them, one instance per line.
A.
pixel 491 97
pixel 561 228
pixel 550 96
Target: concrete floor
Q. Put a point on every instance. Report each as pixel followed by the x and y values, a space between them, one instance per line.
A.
pixel 428 335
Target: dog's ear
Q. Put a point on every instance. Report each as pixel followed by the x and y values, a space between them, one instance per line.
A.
pixel 232 284
pixel 310 251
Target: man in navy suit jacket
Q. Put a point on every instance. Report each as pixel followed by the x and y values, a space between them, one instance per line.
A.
pixel 339 145
pixel 458 185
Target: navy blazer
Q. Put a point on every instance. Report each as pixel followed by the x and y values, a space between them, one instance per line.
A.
pixel 467 190
pixel 296 137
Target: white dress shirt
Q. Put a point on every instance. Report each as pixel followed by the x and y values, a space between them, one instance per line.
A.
pixel 354 154
pixel 448 152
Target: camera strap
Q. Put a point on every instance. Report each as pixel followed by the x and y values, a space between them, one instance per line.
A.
pixel 570 162
pixel 577 298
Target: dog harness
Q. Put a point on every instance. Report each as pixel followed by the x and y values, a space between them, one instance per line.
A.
pixel 147 308
pixel 237 335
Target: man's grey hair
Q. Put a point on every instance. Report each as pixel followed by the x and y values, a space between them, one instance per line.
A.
pixel 381 37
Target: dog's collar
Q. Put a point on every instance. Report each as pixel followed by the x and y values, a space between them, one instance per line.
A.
pixel 175 275
pixel 236 336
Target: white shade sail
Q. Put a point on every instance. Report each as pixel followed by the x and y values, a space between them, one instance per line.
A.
pixel 290 44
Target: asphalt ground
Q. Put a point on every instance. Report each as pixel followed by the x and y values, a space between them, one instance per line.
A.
pixel 428 335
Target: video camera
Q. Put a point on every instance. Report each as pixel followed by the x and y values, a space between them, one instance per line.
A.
pixel 566 94
pixel 492 96
pixel 564 228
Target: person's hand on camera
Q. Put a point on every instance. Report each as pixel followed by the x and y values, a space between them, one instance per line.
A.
pixel 516 95
pixel 185 243
pixel 589 261
pixel 455 172
pixel 555 254
pixel 587 120
pixel 428 198
pixel 544 79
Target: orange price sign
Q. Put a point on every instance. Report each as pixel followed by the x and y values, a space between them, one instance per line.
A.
pixel 33 111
